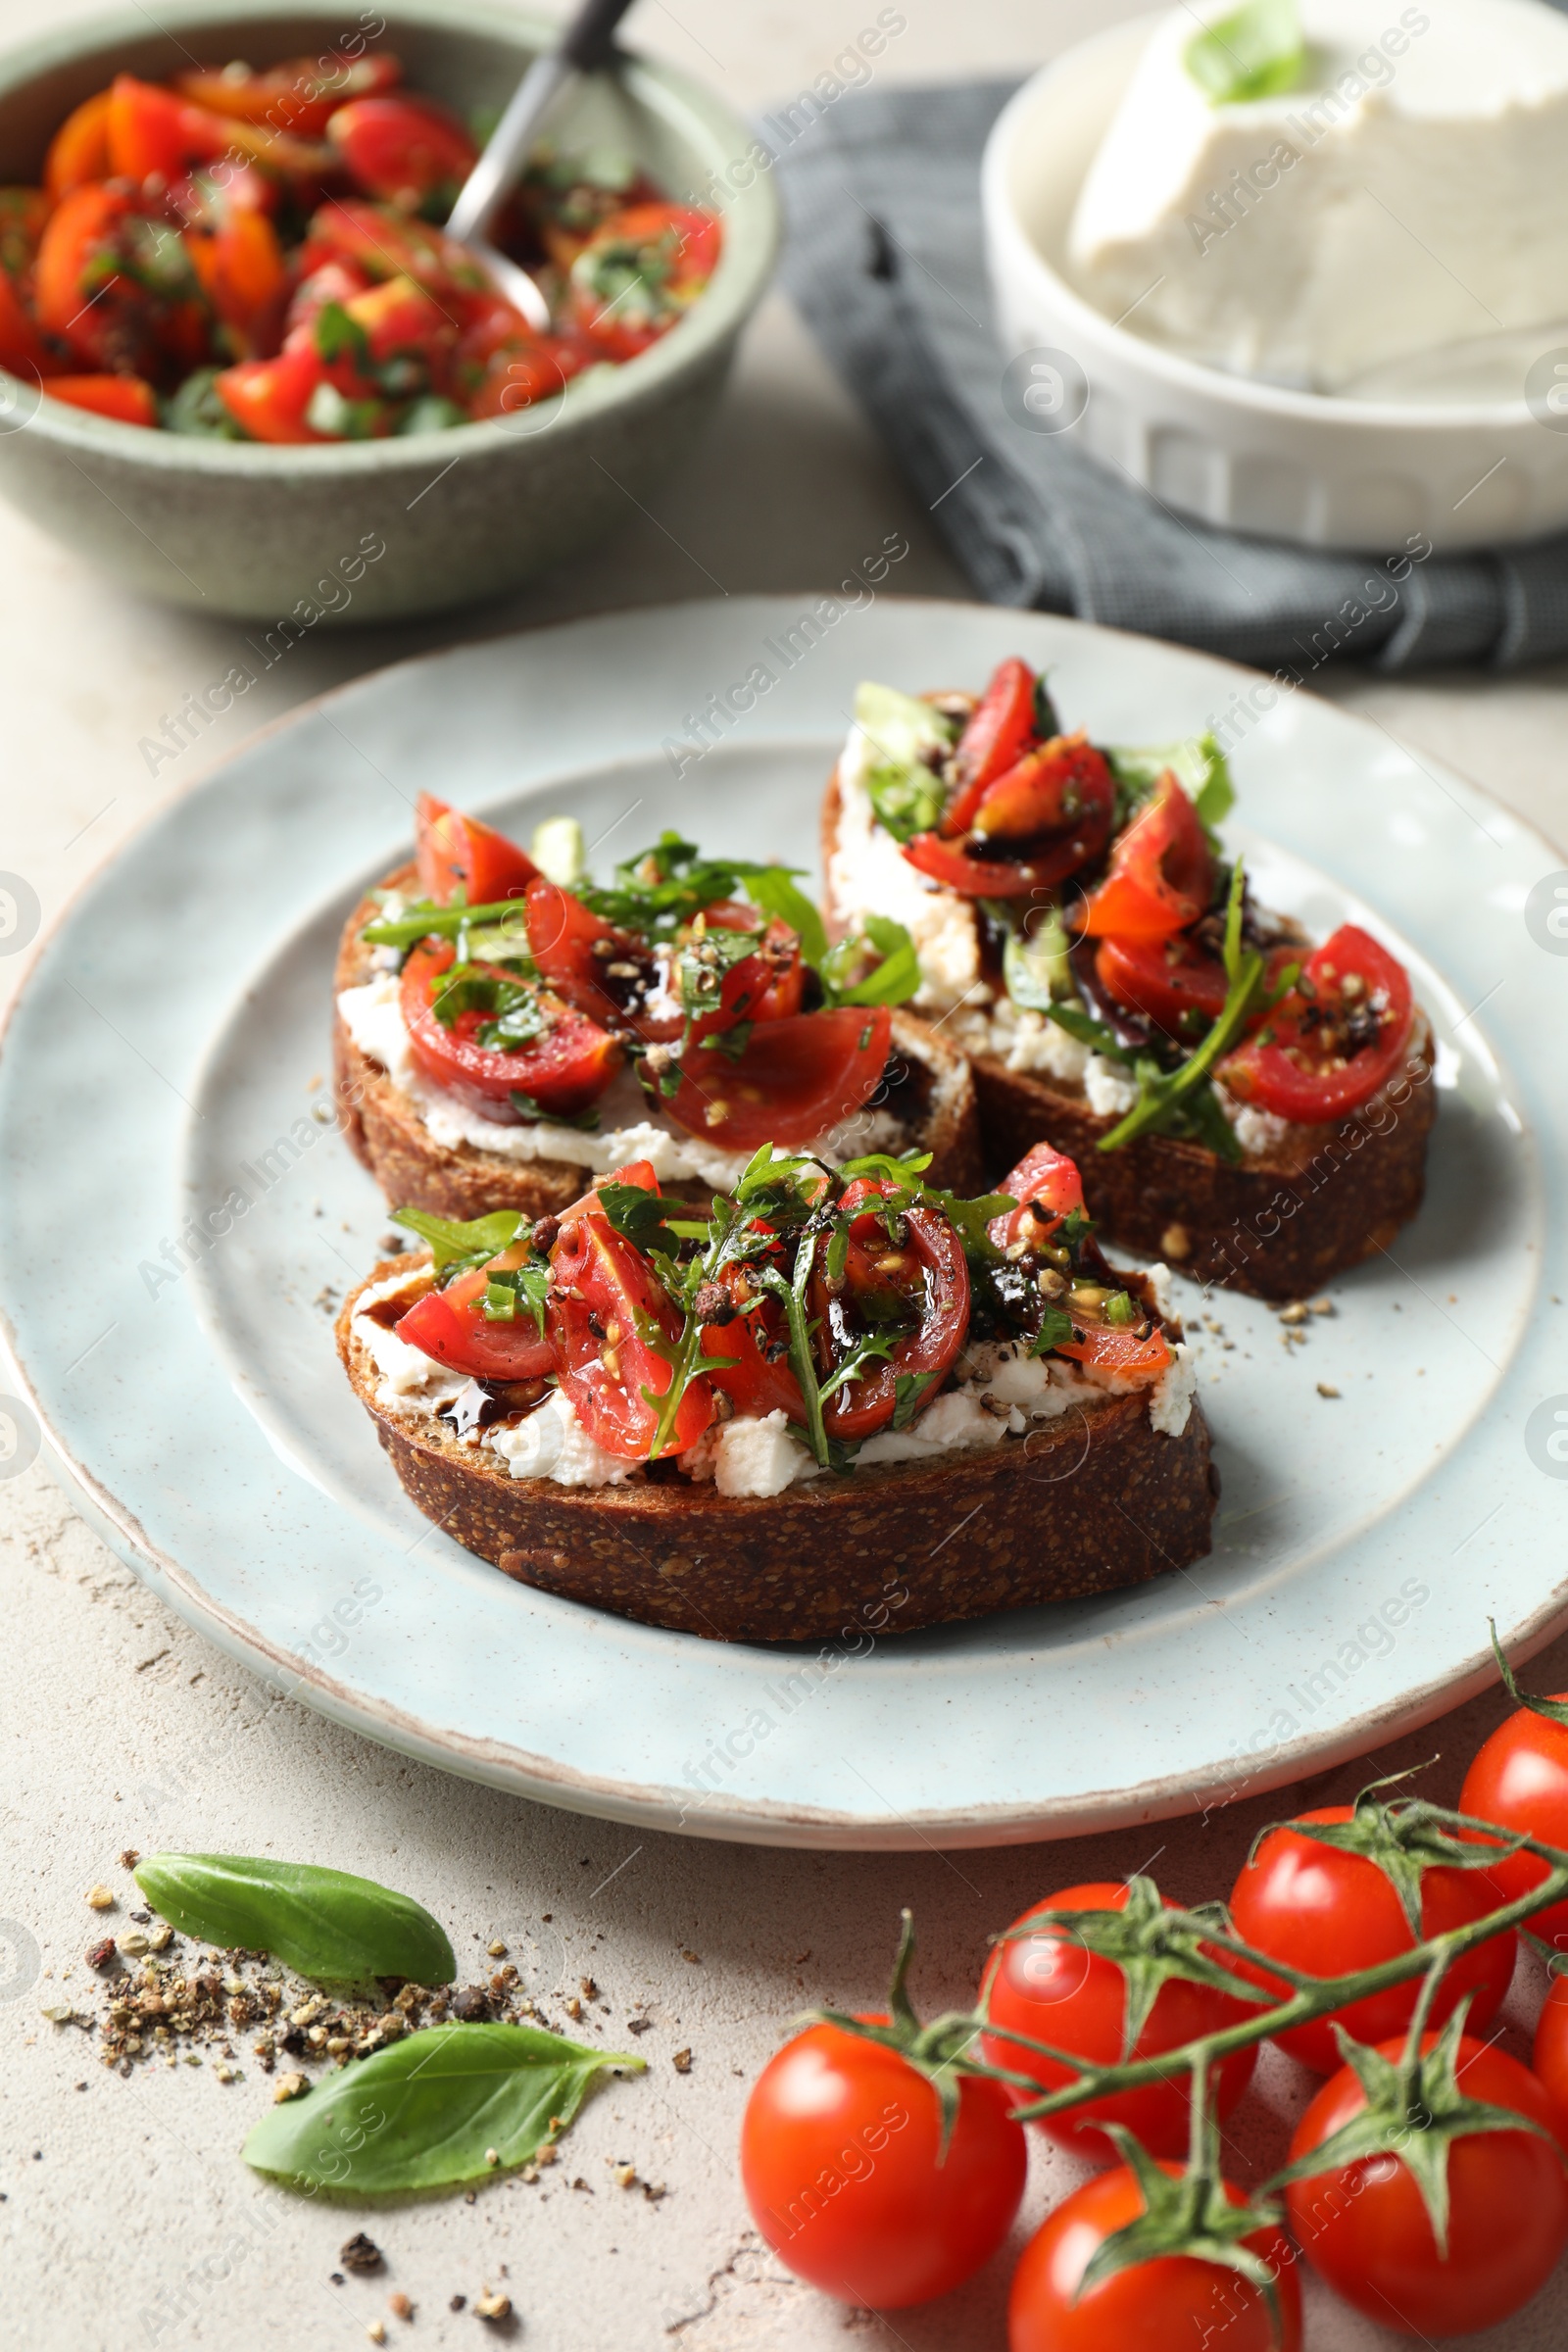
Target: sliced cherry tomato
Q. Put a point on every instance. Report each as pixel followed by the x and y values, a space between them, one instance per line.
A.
pixel 1045 1179
pixel 1051 1990
pixel 753 1346
pixel 1366 2228
pixel 302 94
pixel 156 130
pixel 1331 1913
pixel 124 398
pixel 1175 2300
pixel 1333 1041
pixel 78 151
pixel 921 1282
pixel 1175 982
pixel 22 350
pixel 388 244
pixel 113 283
pixel 329 281
pixel 564 936
pixel 452 1326
pixel 525 368
pixel 563 1069
pixel 793 1081
pixel 994 741
pixel 1064 785
pixel 1120 1353
pixel 243 275
pixel 639 272
pixel 1520 1781
pixel 1161 873
pixel 605 1299
pixel 23 214
pixel 268 398
pixel 844 2170
pixel 458 853
pixel 1063 791
pixel 407 151
pixel 1549 2058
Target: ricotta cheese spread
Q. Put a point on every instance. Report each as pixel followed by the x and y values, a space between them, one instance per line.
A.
pixel 373 1017
pixel 750 1456
pixel 410 1381
pixel 1409 192
pixel 869 874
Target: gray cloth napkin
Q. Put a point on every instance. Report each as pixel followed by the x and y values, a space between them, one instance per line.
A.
pixel 885 259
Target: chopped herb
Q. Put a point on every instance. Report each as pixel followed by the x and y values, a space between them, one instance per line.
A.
pixel 1035 961
pixel 586 1122
pixel 1254 53
pixel 519 1289
pixel 731 1042
pixel 704 965
pixel 638 1217
pixel 1198 765
pixel 458 1247
pixel 1056 1330
pixel 513 1013
pixel 1119 1309
pixel 337 336
pixel 664 887
pixel 909 742
pixel 910 1390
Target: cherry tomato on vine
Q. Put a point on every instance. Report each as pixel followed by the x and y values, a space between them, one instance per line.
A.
pixel 1520 1781
pixel 1053 1991
pixel 1167 2305
pixel 840 2164
pixel 1550 2057
pixel 1365 2228
pixel 1332 1913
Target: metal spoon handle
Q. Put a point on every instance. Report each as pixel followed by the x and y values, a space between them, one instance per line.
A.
pixel 582 49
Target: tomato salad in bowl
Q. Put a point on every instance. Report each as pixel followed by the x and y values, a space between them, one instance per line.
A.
pixel 1083 933
pixel 731 1415
pixel 506 1028
pixel 258 254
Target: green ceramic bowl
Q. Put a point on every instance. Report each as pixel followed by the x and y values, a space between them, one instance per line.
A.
pixel 280 535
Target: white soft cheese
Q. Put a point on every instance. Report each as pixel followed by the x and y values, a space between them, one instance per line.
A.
pixel 1258 1132
pixel 750 1456
pixel 1111 1090
pixel 552 1442
pixel 373 1016
pixel 869 874
pixel 411 1382
pixel 1410 193
pixel 1027 1041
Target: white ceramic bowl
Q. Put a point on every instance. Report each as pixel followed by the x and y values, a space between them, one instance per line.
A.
pixel 1247 456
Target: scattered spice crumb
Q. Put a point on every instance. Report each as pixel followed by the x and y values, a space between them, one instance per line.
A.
pixel 588 1988
pixel 626 2176
pixel 376 2331
pixel 1324 1306
pixel 496 1950
pixel 399 2307
pixel 359 2253
pixel 683 2062
pixel 100 1899
pixel 493 2307
pixel 1324 1389
pixel 639 2024
pixel 696 1958
pixel 130 1858
pixel 492 2156
pixel 103 1953
pixel 456 2303
pixel 1295 1313
pixel 289 2087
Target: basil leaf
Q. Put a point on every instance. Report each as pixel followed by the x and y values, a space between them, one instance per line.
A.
pixel 638 1217
pixel 1056 1327
pixel 910 1390
pixel 526 1287
pixel 1197 764
pixel 325 1923
pixel 468 1242
pixel 424 2112
pixel 337 335
pixel 1256 53
pixel 586 1122
pixel 892 980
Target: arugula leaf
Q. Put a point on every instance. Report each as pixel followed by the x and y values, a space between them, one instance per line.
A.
pixel 325 1923
pixel 909 1388
pixel 1046 723
pixel 773 889
pixel 1089 1032
pixel 1257 52
pixel 1056 1327
pixel 906 1170
pixel 426 920
pixel 458 1246
pixel 639 1218
pixel 661 888
pixel 1199 765
pixel 524 1287
pixel 869 1347
pixel 426 2111
pixel 906 736
pixel 892 980
pixel 586 1122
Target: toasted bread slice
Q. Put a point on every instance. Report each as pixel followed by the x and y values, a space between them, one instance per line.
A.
pixel 927 1087
pixel 1280 1222
pixel 1091 1502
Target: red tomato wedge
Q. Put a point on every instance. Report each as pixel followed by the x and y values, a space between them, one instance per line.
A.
pixel 404 150
pixel 156 130
pixel 458 853
pixel 639 272
pixel 563 1069
pixel 794 1080
pixel 1161 873
pixel 78 151
pixel 22 350
pixel 245 278
pixel 1060 785
pixel 753 1346
pixel 384 245
pixel 1175 982
pixel 1045 1179
pixel 603 1303
pixel 993 740
pixel 1333 1041
pixel 562 934
pixel 925 1276
pixel 124 398
pixel 79 240
pixel 268 398
pixel 452 1326
pixel 302 94
pixel 1120 1353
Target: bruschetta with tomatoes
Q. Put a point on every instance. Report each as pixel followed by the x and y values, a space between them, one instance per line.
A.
pixel 1242 1102
pixel 504 1030
pixel 827 1390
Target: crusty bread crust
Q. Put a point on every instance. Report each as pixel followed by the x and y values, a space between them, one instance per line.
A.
pixel 1090 1503
pixel 1280 1223
pixel 932 1082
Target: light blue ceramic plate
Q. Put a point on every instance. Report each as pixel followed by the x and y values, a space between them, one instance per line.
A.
pixel 162 1057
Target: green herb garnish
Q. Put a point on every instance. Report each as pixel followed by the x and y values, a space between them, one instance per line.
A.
pixel 1257 52
pixel 458 1247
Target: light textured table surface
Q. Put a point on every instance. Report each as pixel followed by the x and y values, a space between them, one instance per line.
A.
pixel 128 2217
